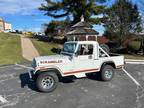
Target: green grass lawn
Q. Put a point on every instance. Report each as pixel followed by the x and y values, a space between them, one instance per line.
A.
pixel 136 57
pixel 44 48
pixel 10 49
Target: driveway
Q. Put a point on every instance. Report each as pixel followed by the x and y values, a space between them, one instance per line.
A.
pixel 28 49
pixel 121 92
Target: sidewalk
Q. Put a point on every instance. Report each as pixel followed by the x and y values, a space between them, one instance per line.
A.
pixel 28 50
pixel 132 61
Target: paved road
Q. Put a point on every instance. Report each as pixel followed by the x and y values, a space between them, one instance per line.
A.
pixel 121 92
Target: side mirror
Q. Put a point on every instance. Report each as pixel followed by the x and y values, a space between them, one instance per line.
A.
pixel 59 51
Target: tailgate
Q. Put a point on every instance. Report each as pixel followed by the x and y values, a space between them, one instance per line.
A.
pixel 118 60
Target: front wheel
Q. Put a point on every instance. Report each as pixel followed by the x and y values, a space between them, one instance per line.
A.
pixel 107 73
pixel 47 82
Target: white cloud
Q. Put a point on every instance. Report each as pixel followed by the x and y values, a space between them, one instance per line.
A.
pixel 42 20
pixel 19 6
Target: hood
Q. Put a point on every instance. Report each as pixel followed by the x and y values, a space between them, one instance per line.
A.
pixel 52 59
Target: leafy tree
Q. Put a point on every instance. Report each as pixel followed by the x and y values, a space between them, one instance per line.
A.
pixel 53 27
pixel 75 8
pixel 123 19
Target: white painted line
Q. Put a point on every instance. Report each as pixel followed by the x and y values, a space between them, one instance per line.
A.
pixel 3 100
pixel 134 80
pixel 23 66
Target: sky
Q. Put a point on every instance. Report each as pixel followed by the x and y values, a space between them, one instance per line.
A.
pixel 24 14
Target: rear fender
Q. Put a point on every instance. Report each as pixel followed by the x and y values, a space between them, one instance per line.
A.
pixel 111 63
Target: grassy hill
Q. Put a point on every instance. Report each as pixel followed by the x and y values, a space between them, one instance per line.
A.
pixel 44 48
pixel 10 49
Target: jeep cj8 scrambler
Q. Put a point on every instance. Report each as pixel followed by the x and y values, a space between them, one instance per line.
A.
pixel 77 58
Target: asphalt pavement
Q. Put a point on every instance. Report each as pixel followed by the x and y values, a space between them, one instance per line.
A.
pixel 121 92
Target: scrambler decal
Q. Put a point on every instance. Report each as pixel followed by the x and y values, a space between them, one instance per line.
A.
pixel 78 71
pixel 44 62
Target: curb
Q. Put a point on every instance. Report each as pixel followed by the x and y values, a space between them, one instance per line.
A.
pixel 132 61
pixel 6 65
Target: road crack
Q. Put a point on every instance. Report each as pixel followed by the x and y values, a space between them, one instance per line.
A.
pixel 139 97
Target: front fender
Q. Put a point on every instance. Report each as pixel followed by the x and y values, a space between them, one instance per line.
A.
pixel 39 70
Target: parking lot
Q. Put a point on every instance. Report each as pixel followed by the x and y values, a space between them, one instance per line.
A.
pixel 121 92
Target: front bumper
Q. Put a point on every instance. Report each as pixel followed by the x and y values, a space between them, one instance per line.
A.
pixel 31 74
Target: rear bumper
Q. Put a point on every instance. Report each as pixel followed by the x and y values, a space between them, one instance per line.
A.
pixel 120 66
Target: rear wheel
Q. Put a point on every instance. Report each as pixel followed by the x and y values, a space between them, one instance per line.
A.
pixel 47 82
pixel 107 73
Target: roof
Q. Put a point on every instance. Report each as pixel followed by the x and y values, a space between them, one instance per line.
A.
pixel 82 31
pixel 82 24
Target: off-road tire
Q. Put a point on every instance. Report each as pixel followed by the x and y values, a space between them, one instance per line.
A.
pixel 45 79
pixel 107 73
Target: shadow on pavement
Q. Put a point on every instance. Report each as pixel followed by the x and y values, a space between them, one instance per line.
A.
pixel 94 76
pixel 25 80
pixel 69 79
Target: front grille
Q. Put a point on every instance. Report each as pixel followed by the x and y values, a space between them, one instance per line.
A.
pixel 33 63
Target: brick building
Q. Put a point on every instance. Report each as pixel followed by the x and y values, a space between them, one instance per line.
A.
pixel 4 25
pixel 8 26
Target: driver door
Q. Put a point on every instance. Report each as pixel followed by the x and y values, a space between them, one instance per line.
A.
pixel 84 59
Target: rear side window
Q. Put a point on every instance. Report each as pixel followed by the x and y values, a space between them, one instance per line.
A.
pixel 85 49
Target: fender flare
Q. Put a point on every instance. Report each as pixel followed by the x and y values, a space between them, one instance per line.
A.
pixel 48 69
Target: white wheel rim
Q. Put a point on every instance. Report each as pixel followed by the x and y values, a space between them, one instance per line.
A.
pixel 108 73
pixel 47 82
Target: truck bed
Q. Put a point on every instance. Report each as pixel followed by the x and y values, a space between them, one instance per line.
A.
pixel 116 58
pixel 114 54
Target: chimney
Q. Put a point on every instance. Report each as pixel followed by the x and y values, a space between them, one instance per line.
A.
pixel 82 18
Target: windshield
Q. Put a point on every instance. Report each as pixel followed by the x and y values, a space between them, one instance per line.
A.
pixel 69 47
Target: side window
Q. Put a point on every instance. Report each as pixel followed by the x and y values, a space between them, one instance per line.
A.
pixel 90 48
pixel 85 49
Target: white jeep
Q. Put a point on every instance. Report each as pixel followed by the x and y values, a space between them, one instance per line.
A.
pixel 77 58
